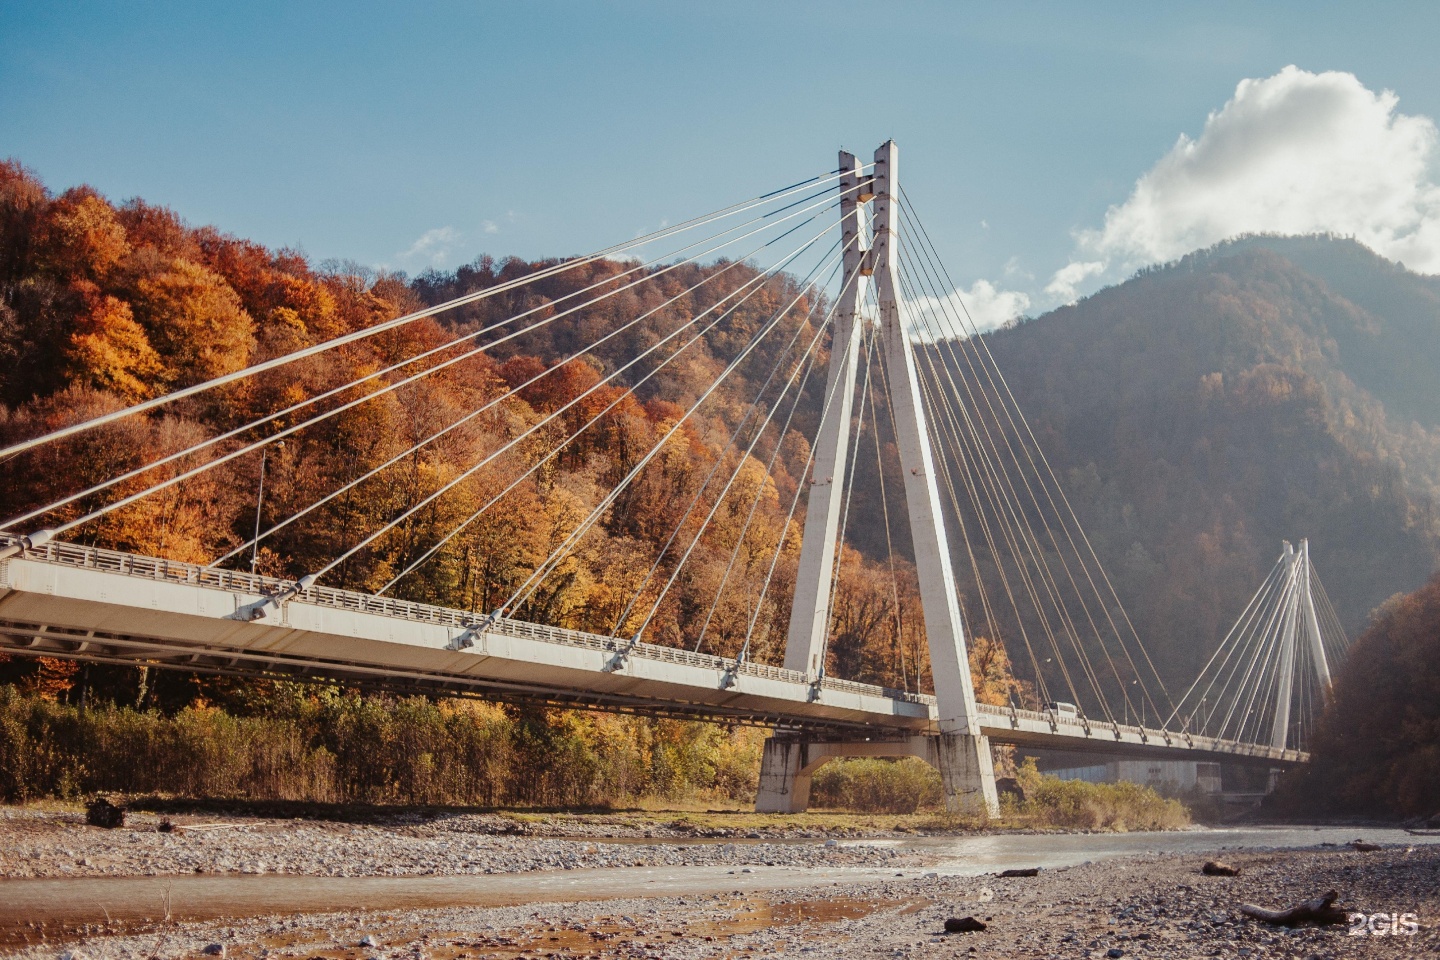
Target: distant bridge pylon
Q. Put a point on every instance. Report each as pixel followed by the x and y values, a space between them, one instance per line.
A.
pixel 1270 677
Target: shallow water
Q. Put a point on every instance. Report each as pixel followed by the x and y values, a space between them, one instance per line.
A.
pixel 968 856
pixel 63 904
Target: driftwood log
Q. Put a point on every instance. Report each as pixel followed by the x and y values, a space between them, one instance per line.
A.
pixel 1363 847
pixel 1022 872
pixel 1218 868
pixel 1320 911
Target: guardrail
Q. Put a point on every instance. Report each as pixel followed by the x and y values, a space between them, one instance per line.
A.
pixel 154 568
pixel 1097 729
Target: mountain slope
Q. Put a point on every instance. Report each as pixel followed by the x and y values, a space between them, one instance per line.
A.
pixel 1204 411
pixel 1393 349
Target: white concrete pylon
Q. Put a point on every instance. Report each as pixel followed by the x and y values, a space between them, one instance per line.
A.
pixel 965 761
pixel 1312 622
pixel 810 608
pixel 959 750
pixel 1298 617
pixel 1280 723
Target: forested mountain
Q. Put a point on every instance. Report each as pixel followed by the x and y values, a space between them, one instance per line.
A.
pixel 1265 389
pixel 1198 414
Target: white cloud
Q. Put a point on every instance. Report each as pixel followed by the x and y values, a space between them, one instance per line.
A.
pixel 986 306
pixel 1065 285
pixel 1294 153
pixel 432 249
pixel 489 226
pixel 1015 272
pixel 646 229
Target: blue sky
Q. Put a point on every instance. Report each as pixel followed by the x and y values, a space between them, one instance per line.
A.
pixel 354 130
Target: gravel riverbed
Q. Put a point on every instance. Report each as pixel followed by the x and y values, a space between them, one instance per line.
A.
pixel 36 844
pixel 1150 905
pixel 1145 906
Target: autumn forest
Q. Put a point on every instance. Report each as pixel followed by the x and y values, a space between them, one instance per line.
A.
pixel 1196 414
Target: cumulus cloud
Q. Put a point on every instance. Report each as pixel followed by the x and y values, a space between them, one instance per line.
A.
pixel 489 226
pixel 987 306
pixel 432 249
pixel 1294 153
pixel 1065 285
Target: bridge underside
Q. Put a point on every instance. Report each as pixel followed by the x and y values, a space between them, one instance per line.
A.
pixel 48 640
pixel 101 606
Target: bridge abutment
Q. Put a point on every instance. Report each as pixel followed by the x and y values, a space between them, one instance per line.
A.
pixel 966 768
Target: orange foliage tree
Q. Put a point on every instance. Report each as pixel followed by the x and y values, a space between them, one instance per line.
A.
pixel 103 306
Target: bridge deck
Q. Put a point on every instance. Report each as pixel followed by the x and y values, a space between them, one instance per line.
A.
pixel 64 600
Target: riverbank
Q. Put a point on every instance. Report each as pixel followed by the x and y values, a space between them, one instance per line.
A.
pixel 1154 905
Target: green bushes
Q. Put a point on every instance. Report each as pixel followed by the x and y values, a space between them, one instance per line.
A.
pixel 874 785
pixel 331 747
pixel 321 745
pixel 910 785
pixel 1076 804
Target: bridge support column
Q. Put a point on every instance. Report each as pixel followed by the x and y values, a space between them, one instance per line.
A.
pixel 785 773
pixel 964 761
pixel 967 771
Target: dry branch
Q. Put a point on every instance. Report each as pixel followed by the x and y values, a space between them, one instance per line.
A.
pixel 1321 911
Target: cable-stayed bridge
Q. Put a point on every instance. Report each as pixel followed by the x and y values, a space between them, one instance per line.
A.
pixel 997 549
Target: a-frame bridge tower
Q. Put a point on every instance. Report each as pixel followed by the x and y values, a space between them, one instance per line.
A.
pixel 959 751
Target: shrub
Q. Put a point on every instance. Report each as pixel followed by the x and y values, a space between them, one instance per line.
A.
pixel 872 785
pixel 1077 804
pixel 321 745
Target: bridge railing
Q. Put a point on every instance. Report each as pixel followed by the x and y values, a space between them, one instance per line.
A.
pixel 1093 729
pixel 155 568
pixel 1065 720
